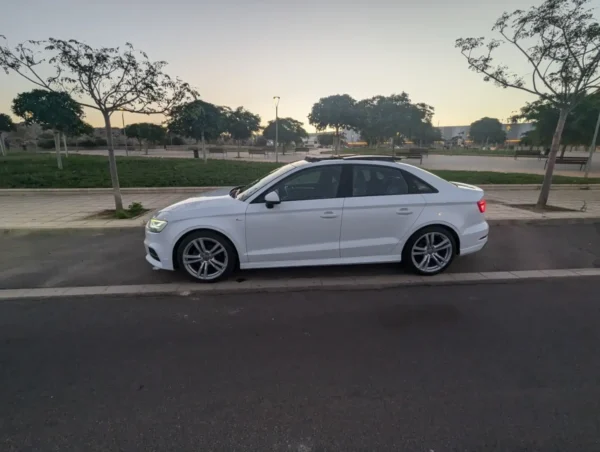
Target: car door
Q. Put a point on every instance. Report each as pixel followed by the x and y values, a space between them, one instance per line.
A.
pixel 304 226
pixel 378 212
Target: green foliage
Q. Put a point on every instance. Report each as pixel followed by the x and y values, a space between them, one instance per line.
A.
pixel 261 141
pixel 487 130
pixel 242 124
pixel 51 110
pixel 382 118
pixel 176 141
pixel 146 132
pixel 38 171
pixel 197 120
pixel 290 131
pixel 325 139
pixel 6 123
pixel 135 209
pixel 579 126
pixel 337 111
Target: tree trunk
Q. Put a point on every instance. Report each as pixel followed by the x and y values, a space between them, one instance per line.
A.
pixel 2 149
pixel 65 144
pixel 112 163
pixel 204 156
pixel 239 144
pixel 337 141
pixel 562 151
pixel 545 191
pixel 57 147
pixel 147 144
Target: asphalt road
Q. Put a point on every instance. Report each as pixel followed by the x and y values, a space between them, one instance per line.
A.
pixel 115 258
pixel 508 367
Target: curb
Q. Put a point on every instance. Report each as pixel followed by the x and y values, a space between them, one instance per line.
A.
pixel 167 190
pixel 300 285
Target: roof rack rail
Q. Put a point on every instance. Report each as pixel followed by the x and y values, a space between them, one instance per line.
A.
pixel 381 158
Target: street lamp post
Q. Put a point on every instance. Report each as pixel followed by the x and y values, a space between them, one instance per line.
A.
pixel 276 100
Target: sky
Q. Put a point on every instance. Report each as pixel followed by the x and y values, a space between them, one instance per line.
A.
pixel 244 52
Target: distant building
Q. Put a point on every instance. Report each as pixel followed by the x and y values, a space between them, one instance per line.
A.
pixel 513 131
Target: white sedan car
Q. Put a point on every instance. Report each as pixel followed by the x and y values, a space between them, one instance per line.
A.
pixel 353 210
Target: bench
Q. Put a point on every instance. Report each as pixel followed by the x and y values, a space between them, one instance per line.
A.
pixel 581 161
pixel 537 154
pixel 302 149
pixel 263 152
pixel 221 151
pixel 419 151
pixel 410 156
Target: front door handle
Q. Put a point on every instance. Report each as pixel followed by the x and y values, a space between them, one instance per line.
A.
pixel 404 211
pixel 329 214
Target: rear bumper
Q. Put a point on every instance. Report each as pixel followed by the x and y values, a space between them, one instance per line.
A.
pixel 474 238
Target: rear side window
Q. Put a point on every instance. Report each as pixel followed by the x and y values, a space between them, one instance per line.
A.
pixel 373 180
pixel 417 186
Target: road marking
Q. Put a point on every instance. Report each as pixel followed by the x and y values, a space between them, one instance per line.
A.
pixel 299 284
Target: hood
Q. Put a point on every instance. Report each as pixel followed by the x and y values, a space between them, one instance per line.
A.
pixel 202 206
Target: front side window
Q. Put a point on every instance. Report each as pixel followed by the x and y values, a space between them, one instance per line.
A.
pixel 321 182
pixel 372 180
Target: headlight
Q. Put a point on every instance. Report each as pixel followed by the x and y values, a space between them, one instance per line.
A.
pixel 155 225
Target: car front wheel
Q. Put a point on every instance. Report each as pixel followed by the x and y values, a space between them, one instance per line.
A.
pixel 430 251
pixel 206 256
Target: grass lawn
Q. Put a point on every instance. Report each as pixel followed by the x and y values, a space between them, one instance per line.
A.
pixel 39 171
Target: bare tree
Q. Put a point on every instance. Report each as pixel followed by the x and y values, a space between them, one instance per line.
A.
pixel 560 40
pixel 105 79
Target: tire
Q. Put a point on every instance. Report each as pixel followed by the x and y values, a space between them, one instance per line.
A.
pixel 418 245
pixel 206 256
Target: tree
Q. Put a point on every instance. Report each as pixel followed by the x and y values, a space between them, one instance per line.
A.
pixel 487 130
pixel 326 139
pixel 394 118
pixel 241 125
pixel 198 120
pixel 104 79
pixel 337 112
pixel 52 111
pixel 146 132
pixel 290 131
pixel 6 125
pixel 579 126
pixel 560 40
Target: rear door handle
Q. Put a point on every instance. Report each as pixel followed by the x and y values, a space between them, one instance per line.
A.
pixel 404 211
pixel 329 214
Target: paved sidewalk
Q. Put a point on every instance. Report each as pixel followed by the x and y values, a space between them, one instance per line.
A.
pixel 52 210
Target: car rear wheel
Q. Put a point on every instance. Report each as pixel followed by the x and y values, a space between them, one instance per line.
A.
pixel 206 256
pixel 430 251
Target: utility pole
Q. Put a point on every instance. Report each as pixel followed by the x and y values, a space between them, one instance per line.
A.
pixel 592 148
pixel 276 100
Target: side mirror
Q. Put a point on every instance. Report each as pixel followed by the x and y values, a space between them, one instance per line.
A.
pixel 271 199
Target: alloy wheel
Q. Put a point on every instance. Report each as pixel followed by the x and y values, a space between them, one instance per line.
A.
pixel 432 252
pixel 205 258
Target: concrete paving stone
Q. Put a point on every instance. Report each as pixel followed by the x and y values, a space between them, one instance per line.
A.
pixel 499 275
pixel 469 277
pixel 142 288
pixel 8 294
pixel 93 290
pixel 559 273
pixel 587 271
pixel 528 274
pixel 47 292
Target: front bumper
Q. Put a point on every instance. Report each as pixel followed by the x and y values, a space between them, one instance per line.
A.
pixel 158 253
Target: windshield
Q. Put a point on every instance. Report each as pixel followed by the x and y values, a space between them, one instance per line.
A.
pixel 245 192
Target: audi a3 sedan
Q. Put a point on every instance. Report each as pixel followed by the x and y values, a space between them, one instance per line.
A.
pixel 354 210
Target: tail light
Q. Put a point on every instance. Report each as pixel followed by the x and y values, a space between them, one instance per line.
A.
pixel 482 205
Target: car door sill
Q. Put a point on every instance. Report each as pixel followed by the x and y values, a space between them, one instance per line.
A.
pixel 323 262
